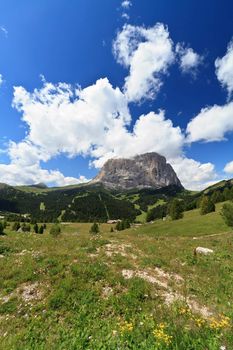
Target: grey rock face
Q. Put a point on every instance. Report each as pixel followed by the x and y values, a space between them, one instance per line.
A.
pixel 149 170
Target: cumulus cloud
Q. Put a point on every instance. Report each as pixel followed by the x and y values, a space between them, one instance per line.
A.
pixel 151 133
pixel 193 174
pixel 93 121
pixel 188 59
pixel 126 4
pixel 224 69
pixel 25 168
pixel 147 53
pixel 211 124
pixel 61 119
pixel 15 174
pixel 66 119
pixel 229 168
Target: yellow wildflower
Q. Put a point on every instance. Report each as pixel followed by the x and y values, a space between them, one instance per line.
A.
pixel 221 323
pixel 185 311
pixel 161 335
pixel 199 322
pixel 126 327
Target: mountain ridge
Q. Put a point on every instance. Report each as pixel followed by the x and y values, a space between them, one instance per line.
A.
pixel 148 170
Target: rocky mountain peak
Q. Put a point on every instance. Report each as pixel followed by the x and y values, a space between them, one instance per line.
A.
pixel 149 170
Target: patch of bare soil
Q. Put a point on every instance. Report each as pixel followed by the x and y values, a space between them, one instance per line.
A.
pixel 106 292
pixel 30 292
pixel 162 279
pixel 121 249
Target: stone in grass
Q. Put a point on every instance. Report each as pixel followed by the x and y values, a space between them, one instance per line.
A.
pixel 203 251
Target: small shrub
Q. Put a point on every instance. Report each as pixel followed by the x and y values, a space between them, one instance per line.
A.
pixel 122 225
pixel 94 228
pixel 55 230
pixel 36 228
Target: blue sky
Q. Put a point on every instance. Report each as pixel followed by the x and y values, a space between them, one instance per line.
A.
pixel 86 80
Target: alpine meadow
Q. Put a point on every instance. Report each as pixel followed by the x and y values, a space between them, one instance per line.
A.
pixel 116 175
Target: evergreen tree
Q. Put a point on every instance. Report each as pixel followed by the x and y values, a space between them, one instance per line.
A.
pixel 227 213
pixel 126 224
pixel 176 210
pixel 94 228
pixel 41 229
pixel 36 228
pixel 1 229
pixel 207 205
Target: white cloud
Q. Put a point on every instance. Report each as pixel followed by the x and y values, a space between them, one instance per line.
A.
pixel 64 119
pixel 15 174
pixel 229 168
pixel 147 53
pixel 125 16
pixel 4 30
pixel 193 174
pixel 61 119
pixel 188 59
pixel 211 124
pixel 151 133
pixel 224 69
pixel 25 168
pixel 1 79
pixel 126 4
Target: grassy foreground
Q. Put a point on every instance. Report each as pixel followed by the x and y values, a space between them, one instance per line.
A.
pixel 138 289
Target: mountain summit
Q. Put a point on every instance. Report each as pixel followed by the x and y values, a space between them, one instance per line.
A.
pixel 149 170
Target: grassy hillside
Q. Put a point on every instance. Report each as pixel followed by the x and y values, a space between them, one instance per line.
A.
pixel 193 224
pixel 141 288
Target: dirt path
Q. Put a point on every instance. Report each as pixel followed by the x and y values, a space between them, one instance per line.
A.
pixel 213 235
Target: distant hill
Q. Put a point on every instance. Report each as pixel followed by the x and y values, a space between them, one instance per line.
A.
pixel 83 204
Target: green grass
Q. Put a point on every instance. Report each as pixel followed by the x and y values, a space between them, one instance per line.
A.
pixel 142 217
pixel 70 292
pixel 193 224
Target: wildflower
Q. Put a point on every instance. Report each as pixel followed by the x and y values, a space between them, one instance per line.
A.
pixel 161 335
pixel 217 324
pixel 199 322
pixel 185 311
pixel 126 327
